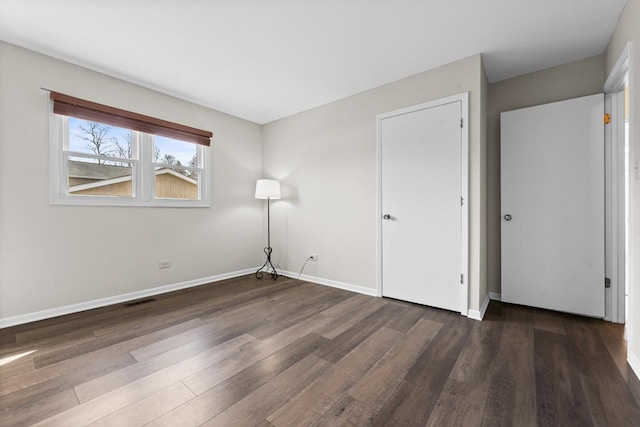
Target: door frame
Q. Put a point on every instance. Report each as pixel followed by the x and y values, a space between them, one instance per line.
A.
pixel 463 98
pixel 614 189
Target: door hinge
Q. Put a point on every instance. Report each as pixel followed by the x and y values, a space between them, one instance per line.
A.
pixel 461 123
pixel 461 278
pixel 607 282
pixel 461 201
pixel 607 119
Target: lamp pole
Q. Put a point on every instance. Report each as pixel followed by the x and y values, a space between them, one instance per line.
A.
pixel 268 264
pixel 268 189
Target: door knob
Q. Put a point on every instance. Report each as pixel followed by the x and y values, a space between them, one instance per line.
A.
pixel 386 216
pixel 507 217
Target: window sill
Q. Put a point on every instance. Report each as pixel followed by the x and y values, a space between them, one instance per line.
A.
pixel 127 202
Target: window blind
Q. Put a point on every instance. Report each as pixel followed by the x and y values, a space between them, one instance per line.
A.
pixel 87 110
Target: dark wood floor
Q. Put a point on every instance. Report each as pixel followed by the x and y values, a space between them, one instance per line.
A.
pixel 288 353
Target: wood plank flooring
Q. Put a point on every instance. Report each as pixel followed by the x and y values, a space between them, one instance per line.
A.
pixel 247 352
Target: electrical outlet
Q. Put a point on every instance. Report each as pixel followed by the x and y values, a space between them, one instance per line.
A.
pixel 314 257
pixel 164 264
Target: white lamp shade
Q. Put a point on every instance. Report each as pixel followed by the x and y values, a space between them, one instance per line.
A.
pixel 267 189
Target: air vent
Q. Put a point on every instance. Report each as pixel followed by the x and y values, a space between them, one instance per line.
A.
pixel 140 302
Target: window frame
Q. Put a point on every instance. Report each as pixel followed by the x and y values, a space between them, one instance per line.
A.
pixel 143 171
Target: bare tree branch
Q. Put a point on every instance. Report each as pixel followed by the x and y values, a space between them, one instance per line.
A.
pixel 97 139
pixel 124 151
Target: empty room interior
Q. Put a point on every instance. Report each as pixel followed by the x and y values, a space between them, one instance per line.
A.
pixel 278 213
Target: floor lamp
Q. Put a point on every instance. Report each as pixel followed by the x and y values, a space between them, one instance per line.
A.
pixel 268 189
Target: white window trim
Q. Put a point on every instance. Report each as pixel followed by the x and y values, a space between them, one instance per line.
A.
pixel 143 173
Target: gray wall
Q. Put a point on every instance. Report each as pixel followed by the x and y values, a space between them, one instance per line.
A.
pixel 326 158
pixel 51 256
pixel 54 256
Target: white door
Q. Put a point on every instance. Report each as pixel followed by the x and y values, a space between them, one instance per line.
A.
pixel 552 179
pixel 421 185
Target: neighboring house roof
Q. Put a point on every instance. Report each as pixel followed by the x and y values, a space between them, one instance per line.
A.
pixel 118 179
pixel 95 171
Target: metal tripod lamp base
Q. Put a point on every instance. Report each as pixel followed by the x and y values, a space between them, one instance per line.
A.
pixel 267 267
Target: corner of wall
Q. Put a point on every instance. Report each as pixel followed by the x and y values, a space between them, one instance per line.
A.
pixel 484 192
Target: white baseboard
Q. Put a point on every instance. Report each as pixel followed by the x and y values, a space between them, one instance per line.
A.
pixel 74 308
pixel 479 314
pixel 334 284
pixel 88 305
pixel 495 296
pixel 634 362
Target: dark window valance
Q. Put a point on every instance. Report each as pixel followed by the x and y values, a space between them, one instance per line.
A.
pixel 87 110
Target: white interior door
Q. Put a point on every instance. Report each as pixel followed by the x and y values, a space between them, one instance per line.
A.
pixel 421 184
pixel 552 179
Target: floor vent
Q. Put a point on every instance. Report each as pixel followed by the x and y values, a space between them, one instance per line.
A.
pixel 140 302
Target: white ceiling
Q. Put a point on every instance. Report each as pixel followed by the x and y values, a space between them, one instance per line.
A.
pixel 266 59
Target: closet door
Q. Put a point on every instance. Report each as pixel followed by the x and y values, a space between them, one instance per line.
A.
pixel 421 177
pixel 552 179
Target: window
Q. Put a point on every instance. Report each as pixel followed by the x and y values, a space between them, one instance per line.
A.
pixel 110 157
